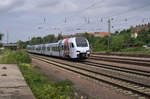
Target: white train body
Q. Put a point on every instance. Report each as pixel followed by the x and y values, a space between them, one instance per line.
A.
pixel 76 48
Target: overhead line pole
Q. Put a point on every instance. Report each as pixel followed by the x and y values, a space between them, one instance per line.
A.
pixel 109 31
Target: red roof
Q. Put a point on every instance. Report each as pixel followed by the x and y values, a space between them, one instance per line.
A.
pixel 100 34
pixel 97 34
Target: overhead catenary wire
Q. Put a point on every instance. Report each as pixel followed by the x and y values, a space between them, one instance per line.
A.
pixel 87 19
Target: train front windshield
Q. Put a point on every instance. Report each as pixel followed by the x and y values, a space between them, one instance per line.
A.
pixel 81 42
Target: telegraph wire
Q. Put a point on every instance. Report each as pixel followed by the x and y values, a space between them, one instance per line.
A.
pixel 88 21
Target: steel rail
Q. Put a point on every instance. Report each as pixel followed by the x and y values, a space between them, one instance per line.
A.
pixel 107 79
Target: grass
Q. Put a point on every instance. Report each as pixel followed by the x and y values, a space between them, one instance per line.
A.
pixel 138 50
pixel 43 88
pixel 15 57
pixel 1 52
pixel 134 50
pixel 39 83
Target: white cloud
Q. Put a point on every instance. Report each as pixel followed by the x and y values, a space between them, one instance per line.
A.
pixel 9 5
pixel 47 6
pixel 5 3
pixel 24 16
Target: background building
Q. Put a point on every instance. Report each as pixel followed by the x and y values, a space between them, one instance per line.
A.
pixel 95 34
pixel 134 32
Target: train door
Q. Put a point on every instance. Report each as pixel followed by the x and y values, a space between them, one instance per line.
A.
pixel 60 48
pixel 62 52
pixel 51 50
pixel 43 49
pixel 72 50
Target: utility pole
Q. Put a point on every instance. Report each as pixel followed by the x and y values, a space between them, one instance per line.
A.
pixel 109 30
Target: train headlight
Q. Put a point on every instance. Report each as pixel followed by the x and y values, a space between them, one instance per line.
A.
pixel 88 51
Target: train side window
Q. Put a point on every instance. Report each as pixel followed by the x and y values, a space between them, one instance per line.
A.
pixel 72 45
pixel 42 48
pixel 48 48
pixel 52 48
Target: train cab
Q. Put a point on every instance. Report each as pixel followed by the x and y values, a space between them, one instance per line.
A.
pixel 77 47
pixel 82 47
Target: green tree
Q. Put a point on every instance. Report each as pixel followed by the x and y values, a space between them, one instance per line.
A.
pixel 117 42
pixel 59 37
pixel 36 40
pixel 116 32
pixel 1 35
pixel 131 28
pixel 143 37
pixel 20 43
pixel 49 39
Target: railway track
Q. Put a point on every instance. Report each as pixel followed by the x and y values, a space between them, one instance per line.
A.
pixel 124 55
pixel 117 68
pixel 121 83
pixel 125 60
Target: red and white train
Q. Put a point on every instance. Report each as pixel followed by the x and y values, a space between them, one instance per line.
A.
pixel 74 48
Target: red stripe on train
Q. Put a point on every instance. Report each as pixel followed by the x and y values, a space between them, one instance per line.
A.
pixel 67 46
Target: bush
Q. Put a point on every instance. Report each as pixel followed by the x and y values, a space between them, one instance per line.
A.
pixel 15 57
pixel 43 88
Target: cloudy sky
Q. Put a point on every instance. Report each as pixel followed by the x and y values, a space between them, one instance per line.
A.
pixel 23 19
